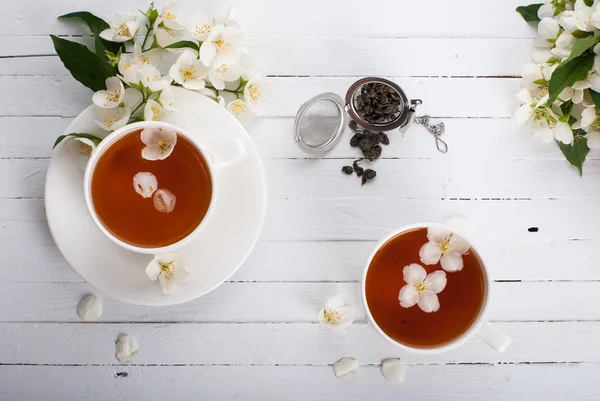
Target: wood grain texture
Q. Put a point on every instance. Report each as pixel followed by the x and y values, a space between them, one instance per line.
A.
pixel 442 97
pixel 278 344
pixel 311 18
pixel 471 139
pixel 39 260
pixel 285 302
pixel 348 219
pixel 336 56
pixel 546 382
pixel 256 336
pixel 439 178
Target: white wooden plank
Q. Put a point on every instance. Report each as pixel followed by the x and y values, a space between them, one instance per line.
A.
pixel 442 97
pixel 40 261
pixel 548 382
pixel 487 139
pixel 286 302
pixel 278 344
pixel 355 219
pixel 439 178
pixel 436 18
pixel 334 56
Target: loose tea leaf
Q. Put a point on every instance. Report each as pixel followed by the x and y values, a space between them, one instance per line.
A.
pixel 383 138
pixel 377 103
pixel 347 169
pixel 370 174
pixel 359 170
pixel 355 140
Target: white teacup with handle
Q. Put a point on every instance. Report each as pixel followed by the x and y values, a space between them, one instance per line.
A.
pixel 480 326
pixel 217 155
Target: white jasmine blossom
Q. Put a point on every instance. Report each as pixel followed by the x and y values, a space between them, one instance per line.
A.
pixel 159 142
pixel 590 122
pixel 240 110
pixel 223 43
pixel 549 30
pixel 171 16
pixel 164 201
pixel 151 78
pixel 200 25
pixel 345 368
pixel 335 315
pixel 164 36
pixel 223 71
pixel 422 288
pixel 80 149
pixel 89 308
pixel 563 45
pixel 256 91
pixel 145 184
pixel 153 111
pixel 122 28
pixel 580 19
pixel 166 98
pixel 126 348
pixel 444 247
pixel 113 96
pixel 189 71
pixel 168 270
pixel 111 119
pixel 540 119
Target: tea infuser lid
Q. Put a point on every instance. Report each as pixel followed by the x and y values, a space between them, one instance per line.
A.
pixel 319 123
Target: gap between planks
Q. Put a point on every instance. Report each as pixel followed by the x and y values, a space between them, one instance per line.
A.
pixel 290 364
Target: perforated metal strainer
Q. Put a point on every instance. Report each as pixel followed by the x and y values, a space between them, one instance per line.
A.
pixel 320 123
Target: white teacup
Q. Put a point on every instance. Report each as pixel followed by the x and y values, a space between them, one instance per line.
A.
pixel 493 336
pixel 217 156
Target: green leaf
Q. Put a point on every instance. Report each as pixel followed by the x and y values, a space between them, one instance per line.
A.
pixel 589 3
pixel 567 73
pixel 595 98
pixel 183 43
pixel 581 34
pixel 581 45
pixel 530 12
pixel 85 66
pixel 566 108
pixel 575 153
pixel 95 25
pixel 91 137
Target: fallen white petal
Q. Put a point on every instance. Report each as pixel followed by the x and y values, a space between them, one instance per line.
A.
pixel 345 368
pixel 145 184
pixel 393 370
pixel 126 348
pixel 89 308
pixel 164 201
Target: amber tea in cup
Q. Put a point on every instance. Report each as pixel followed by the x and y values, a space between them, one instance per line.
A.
pixel 153 221
pixel 461 301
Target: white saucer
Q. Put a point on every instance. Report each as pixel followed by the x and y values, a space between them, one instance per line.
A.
pixel 214 254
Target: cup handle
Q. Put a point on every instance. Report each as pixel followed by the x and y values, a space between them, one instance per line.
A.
pixel 226 153
pixel 494 337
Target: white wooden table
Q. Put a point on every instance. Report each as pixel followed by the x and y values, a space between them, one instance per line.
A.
pixel 256 337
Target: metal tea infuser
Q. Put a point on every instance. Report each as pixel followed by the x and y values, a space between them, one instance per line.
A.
pixel 321 120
